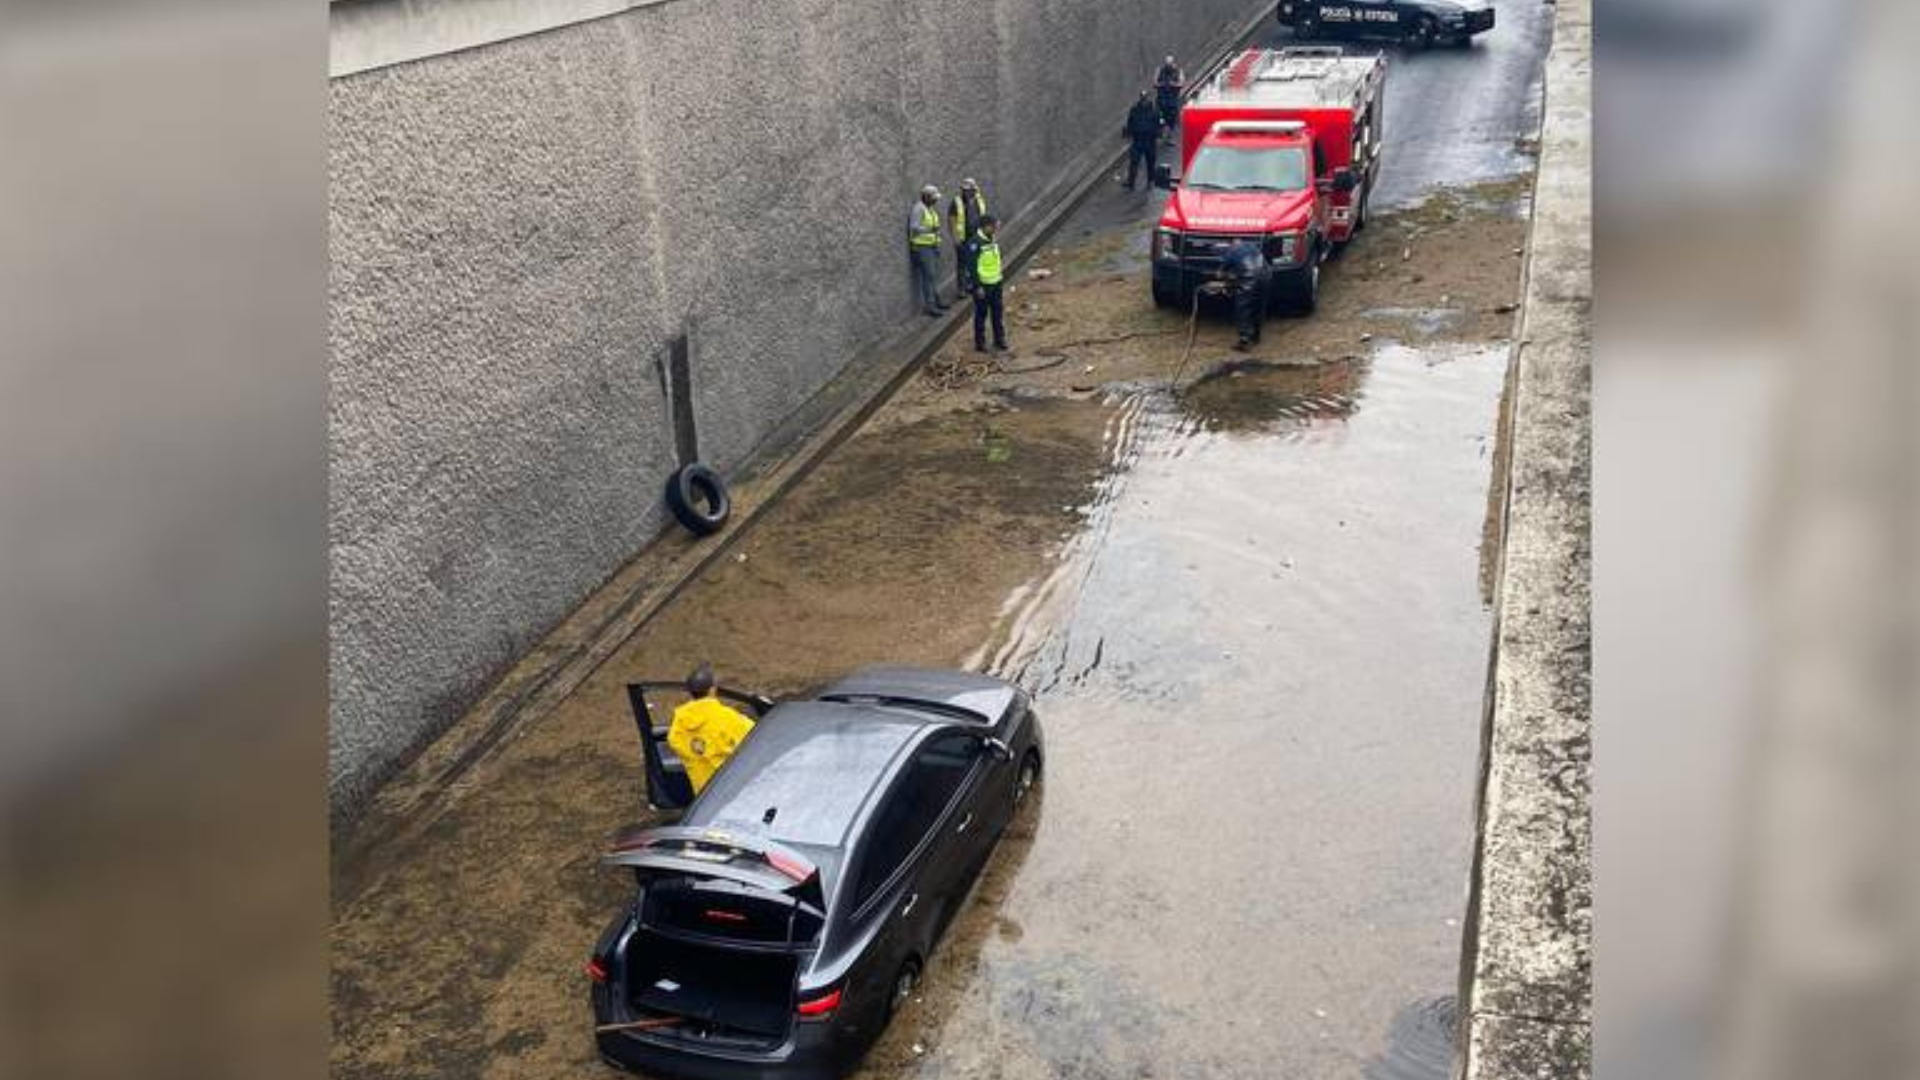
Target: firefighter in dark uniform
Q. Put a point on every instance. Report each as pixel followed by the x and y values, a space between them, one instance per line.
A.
pixel 1166 86
pixel 1245 268
pixel 1143 128
pixel 988 274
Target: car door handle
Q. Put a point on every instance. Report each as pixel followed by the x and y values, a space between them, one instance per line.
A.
pixel 908 910
pixel 964 822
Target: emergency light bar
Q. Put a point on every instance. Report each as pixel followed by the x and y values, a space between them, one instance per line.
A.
pixel 1262 127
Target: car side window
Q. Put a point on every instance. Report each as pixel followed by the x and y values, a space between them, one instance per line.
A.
pixel 914 806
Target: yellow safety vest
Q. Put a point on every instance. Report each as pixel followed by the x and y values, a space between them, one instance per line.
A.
pixel 930 224
pixel 987 270
pixel 957 215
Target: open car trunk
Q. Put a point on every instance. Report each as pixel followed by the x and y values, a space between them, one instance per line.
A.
pixel 725 993
pixel 724 923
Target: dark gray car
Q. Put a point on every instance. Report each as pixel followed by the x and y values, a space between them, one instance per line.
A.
pixel 776 928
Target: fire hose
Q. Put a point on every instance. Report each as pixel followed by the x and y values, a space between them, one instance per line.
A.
pixel 1216 287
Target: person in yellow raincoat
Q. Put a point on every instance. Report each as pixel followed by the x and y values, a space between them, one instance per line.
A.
pixel 705 730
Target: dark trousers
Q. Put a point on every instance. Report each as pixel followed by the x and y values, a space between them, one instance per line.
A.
pixel 962 263
pixel 1146 148
pixel 1249 308
pixel 986 301
pixel 1169 103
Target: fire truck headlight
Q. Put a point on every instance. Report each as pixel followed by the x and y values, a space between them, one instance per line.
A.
pixel 1166 245
pixel 1283 247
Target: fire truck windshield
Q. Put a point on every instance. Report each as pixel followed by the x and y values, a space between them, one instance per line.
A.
pixel 1231 168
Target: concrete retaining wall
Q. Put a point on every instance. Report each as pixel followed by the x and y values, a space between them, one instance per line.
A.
pixel 520 230
pixel 1526 980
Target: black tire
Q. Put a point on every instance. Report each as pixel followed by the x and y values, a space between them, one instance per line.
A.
pixel 1164 298
pixel 698 498
pixel 903 983
pixel 1306 30
pixel 1026 779
pixel 1360 209
pixel 1302 293
pixel 1420 38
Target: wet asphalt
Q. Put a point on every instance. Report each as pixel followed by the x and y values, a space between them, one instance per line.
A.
pixel 1251 614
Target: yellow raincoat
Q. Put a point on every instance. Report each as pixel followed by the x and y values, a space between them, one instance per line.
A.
pixel 704 733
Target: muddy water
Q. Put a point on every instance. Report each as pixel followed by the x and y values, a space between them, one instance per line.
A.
pixel 1259 667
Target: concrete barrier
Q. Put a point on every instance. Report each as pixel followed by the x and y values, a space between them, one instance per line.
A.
pixel 521 231
pixel 1526 968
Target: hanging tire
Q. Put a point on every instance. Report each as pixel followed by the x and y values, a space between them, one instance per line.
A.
pixel 698 498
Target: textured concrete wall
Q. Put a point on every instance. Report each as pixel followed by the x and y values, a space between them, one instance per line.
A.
pixel 1527 966
pixel 519 230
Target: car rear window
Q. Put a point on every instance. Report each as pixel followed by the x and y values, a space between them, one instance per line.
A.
pixel 809 792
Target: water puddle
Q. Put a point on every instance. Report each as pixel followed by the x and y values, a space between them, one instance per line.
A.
pixel 1419 1044
pixel 1424 321
pixel 1259 658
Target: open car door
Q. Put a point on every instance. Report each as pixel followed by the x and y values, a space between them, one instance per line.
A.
pixel 668 788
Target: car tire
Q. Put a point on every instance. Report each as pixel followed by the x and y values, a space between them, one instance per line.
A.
pixel 1163 297
pixel 1304 296
pixel 1420 38
pixel 698 498
pixel 903 984
pixel 1026 779
pixel 1306 30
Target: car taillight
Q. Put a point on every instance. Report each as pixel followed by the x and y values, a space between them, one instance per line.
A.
pixel 792 868
pixel 819 1007
pixel 718 915
pixel 597 970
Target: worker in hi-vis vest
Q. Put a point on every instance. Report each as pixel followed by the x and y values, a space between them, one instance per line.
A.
pixel 923 248
pixel 963 221
pixel 705 730
pixel 988 273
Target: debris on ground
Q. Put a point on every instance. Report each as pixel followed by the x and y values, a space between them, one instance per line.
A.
pixel 1039 273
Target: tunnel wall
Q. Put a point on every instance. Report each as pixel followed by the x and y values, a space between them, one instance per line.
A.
pixel 520 230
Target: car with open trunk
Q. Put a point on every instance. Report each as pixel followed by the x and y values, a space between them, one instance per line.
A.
pixel 775 928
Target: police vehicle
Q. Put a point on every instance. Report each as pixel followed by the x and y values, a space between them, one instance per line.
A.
pixel 1417 23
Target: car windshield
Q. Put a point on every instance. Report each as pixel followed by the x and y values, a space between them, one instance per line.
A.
pixel 1225 168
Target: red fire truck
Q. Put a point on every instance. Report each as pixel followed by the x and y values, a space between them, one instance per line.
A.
pixel 1282 146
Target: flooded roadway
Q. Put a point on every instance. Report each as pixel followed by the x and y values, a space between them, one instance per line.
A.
pixel 1250 610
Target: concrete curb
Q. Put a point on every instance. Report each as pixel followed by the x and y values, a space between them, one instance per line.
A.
pixel 1526 964
pixel 607 619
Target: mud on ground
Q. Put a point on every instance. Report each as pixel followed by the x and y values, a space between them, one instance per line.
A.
pixel 1080 320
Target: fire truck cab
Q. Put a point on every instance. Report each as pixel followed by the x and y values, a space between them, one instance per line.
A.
pixel 1282 146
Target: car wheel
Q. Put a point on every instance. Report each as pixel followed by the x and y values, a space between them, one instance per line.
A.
pixel 1164 297
pixel 698 498
pixel 903 984
pixel 1307 30
pixel 1029 776
pixel 1422 35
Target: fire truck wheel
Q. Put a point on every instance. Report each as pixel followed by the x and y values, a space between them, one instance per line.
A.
pixel 1422 34
pixel 1167 298
pixel 698 498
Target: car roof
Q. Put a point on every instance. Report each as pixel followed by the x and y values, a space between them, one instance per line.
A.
pixel 948 694
pixel 811 765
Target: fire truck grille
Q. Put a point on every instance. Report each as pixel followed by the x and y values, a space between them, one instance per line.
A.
pixel 1204 250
